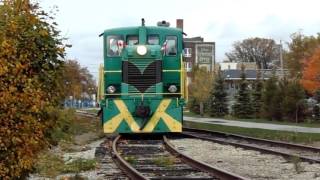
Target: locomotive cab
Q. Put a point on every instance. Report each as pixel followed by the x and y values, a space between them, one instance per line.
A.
pixel 143 80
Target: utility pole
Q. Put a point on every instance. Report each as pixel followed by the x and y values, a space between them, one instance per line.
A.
pixel 281 60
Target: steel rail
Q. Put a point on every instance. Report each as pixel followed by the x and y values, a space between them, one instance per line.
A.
pixel 214 171
pixel 291 145
pixel 124 165
pixel 87 114
pixel 246 146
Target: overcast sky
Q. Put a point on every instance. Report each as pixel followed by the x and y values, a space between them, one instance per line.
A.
pixel 221 21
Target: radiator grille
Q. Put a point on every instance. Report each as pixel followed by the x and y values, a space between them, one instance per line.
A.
pixel 142 75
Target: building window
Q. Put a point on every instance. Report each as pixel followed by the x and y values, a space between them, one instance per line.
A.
pixel 171 46
pixel 114 45
pixel 188 66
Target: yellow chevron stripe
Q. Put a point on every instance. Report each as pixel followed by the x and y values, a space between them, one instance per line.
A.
pixel 172 124
pixel 124 114
pixel 112 125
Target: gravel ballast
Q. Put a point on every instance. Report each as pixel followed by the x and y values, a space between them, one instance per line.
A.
pixel 247 163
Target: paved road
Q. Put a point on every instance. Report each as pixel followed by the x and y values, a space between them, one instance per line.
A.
pixel 253 125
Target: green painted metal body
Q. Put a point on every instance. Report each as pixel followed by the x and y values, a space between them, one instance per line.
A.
pixel 120 107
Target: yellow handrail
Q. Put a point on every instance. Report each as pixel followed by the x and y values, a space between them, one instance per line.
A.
pixel 100 93
pixel 183 83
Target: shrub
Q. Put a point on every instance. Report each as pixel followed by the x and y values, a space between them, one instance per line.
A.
pixel 30 53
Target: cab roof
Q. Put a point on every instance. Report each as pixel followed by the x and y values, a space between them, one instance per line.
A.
pixel 150 29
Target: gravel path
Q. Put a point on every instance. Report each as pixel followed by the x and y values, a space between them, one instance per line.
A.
pixel 247 163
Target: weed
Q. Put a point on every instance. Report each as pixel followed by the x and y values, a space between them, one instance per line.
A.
pixel 79 165
pixel 49 164
pixel 131 159
pixel 164 161
pixel 67 146
pixel 75 177
pixel 69 128
pixel 297 164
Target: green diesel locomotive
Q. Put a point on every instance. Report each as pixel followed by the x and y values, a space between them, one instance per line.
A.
pixel 142 83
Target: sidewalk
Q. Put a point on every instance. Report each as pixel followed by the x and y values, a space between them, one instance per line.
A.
pixel 253 125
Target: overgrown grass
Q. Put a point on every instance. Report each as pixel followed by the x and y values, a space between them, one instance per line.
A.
pixel 307 123
pixel 296 137
pixel 51 165
pixel 164 161
pixel 70 134
pixel 75 177
pixel 131 159
pixel 79 165
pixel 91 110
pixel 296 161
pixel 86 124
pixel 63 127
pixel 70 125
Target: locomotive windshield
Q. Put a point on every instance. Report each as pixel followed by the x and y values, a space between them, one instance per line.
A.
pixel 153 40
pixel 132 40
pixel 113 43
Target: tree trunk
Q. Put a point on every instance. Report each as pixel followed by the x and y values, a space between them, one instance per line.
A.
pixel 201 109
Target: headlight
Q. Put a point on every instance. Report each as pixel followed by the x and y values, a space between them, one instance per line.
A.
pixel 111 89
pixel 142 50
pixel 172 88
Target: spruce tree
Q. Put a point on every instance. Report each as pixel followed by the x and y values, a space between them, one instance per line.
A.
pixel 257 95
pixel 218 99
pixel 292 104
pixel 243 107
pixel 271 98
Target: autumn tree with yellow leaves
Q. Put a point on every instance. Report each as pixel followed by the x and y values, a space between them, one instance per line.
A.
pixel 30 60
pixel 300 49
pixel 201 86
pixel 77 80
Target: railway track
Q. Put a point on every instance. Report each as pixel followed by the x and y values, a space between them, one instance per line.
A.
pixel 143 165
pixel 287 150
pixel 87 114
pixel 158 159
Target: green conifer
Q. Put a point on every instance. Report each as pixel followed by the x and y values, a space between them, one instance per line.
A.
pixel 243 107
pixel 218 99
pixel 257 95
pixel 271 98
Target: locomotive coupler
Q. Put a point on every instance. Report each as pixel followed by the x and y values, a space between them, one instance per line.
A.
pixel 143 112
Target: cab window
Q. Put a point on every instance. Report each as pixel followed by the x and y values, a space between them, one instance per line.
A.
pixel 132 40
pixel 114 45
pixel 171 46
pixel 153 40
